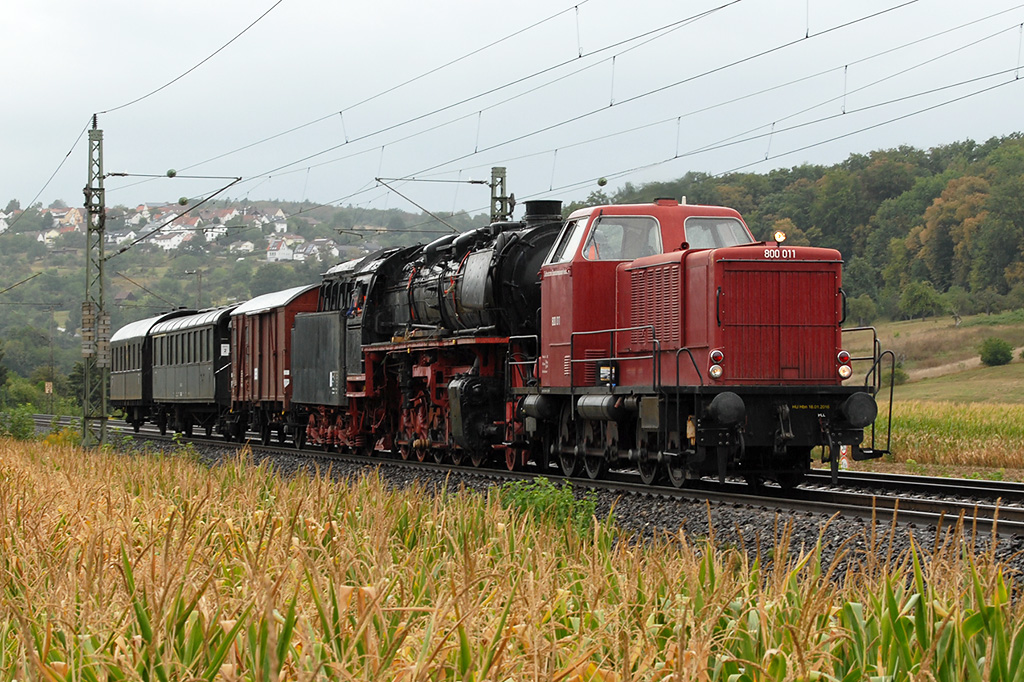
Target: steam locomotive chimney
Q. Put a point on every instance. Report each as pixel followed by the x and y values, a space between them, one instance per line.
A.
pixel 543 211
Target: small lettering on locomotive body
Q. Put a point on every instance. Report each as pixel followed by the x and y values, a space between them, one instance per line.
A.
pixel 809 407
pixel 780 253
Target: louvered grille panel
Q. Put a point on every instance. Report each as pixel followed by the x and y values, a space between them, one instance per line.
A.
pixel 590 368
pixel 655 301
pixel 779 325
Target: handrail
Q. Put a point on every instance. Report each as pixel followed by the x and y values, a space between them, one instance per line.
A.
pixel 871 378
pixel 530 360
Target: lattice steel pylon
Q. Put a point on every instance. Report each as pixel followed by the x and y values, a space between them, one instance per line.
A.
pixel 501 203
pixel 95 320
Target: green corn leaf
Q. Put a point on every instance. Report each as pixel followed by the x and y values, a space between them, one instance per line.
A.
pixel 284 638
pixel 222 650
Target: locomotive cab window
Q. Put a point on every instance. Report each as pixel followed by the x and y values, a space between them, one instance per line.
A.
pixel 714 233
pixel 623 238
pixel 568 241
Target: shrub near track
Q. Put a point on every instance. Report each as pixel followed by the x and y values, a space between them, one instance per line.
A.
pixel 118 567
pixel 989 435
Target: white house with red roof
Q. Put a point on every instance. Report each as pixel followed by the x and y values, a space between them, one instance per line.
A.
pixel 279 251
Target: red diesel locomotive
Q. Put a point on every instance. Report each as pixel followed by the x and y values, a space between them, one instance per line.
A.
pixel 660 337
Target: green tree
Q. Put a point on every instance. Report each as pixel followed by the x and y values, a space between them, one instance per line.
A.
pixel 957 302
pixel 3 366
pixel 838 209
pixel 862 311
pixel 919 299
pixel 951 224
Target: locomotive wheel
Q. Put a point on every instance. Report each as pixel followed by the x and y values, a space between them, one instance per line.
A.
pixel 513 459
pixel 676 473
pixel 457 455
pixel 568 460
pixel 421 454
pixel 479 458
pixel 596 466
pixel 650 470
pixel 438 454
pixel 570 463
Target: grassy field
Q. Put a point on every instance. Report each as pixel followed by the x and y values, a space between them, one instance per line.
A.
pixel 953 416
pixel 158 568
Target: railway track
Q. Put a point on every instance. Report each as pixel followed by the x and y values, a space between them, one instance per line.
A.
pixel 982 506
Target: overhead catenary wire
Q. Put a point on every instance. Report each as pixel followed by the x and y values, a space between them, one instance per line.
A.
pixel 631 99
pixel 203 61
pixel 279 170
pixel 53 174
pixel 656 32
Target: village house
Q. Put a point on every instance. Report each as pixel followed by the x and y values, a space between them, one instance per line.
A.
pixel 278 251
pixel 241 247
pixel 214 232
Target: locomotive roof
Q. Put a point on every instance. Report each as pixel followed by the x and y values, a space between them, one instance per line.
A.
pixel 275 299
pixel 140 328
pixel 203 318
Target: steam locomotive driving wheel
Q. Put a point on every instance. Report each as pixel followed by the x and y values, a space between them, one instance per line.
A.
pixel 647 463
pixel 568 459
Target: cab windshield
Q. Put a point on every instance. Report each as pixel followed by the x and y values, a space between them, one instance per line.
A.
pixel 623 238
pixel 714 233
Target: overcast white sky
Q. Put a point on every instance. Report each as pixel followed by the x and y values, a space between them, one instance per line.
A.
pixel 667 95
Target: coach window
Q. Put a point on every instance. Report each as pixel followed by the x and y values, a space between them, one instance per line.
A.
pixel 623 238
pixel 568 241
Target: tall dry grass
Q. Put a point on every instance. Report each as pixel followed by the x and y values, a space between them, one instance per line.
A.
pixel 118 567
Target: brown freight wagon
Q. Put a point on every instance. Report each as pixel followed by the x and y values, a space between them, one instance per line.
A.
pixel 261 333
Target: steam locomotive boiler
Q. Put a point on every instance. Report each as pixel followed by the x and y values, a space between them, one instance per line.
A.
pixel 423 334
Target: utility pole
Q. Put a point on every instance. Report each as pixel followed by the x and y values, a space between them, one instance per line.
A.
pixel 95 320
pixel 502 205
pixel 199 278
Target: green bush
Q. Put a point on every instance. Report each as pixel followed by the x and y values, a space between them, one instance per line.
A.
pixel 545 501
pixel 899 376
pixel 995 351
pixel 17 423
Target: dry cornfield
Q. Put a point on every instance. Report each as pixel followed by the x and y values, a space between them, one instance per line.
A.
pixel 981 435
pixel 129 567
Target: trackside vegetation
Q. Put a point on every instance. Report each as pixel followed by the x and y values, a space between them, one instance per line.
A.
pixel 158 567
pixel 978 435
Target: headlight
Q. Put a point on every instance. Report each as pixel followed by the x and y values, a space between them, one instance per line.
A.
pixel 715 371
pixel 780 236
pixel 845 371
